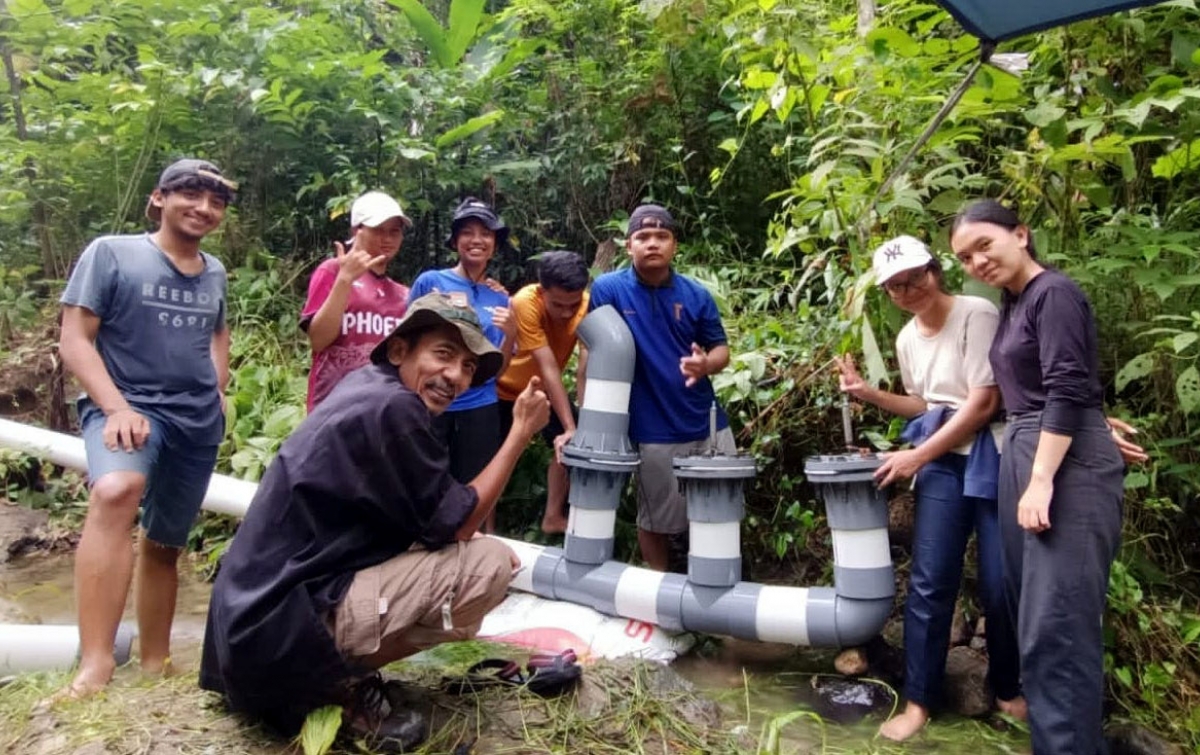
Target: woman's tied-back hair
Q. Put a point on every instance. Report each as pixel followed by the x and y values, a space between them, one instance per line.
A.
pixel 991 211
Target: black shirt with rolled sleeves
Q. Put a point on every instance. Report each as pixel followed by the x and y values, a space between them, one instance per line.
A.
pixel 1044 355
pixel 359 481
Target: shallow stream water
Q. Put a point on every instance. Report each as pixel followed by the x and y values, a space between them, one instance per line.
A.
pixel 757 685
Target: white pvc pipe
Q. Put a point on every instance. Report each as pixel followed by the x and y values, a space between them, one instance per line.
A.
pixel 782 614
pixel 861 549
pixel 226 495
pixel 33 647
pixel 716 539
pixel 607 396
pixel 637 594
pixel 596 524
pixel 50 647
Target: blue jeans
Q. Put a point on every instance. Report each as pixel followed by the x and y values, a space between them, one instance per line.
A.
pixel 944 521
pixel 177 472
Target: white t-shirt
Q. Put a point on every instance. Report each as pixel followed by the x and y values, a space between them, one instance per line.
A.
pixel 941 369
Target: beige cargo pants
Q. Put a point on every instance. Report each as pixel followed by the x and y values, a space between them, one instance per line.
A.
pixel 420 599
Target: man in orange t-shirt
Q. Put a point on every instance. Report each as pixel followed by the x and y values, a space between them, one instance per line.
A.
pixel 547 314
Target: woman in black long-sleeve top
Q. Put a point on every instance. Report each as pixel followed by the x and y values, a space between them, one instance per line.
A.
pixel 1060 487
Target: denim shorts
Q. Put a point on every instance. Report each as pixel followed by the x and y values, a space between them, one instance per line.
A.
pixel 177 472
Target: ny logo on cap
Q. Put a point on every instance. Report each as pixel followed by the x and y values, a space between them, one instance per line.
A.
pixel 893 251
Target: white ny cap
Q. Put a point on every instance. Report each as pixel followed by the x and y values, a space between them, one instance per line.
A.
pixel 375 208
pixel 900 254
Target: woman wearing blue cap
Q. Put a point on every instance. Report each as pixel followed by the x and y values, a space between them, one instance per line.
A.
pixel 471 426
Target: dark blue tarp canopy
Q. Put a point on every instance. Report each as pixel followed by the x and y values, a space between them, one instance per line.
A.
pixel 994 20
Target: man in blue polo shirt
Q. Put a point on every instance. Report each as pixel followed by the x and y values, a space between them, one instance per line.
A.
pixel 679 341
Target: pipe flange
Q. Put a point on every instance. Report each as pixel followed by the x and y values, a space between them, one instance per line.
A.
pixel 600 462
pixel 703 466
pixel 839 464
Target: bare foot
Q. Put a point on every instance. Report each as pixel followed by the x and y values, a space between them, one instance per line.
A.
pixel 88 681
pixel 156 669
pixel 554 525
pixel 1016 707
pixel 901 727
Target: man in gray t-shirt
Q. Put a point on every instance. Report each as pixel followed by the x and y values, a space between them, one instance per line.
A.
pixel 144 332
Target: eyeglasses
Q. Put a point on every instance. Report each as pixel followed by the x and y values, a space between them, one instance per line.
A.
pixel 901 284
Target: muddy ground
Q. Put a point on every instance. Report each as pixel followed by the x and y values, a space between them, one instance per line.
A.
pixel 620 707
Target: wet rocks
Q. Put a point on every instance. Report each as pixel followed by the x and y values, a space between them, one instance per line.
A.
pixel 851 662
pixel 849 700
pixel 966 689
pixel 1131 739
pixel 18 525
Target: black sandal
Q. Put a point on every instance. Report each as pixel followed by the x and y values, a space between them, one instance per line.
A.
pixel 552 675
pixel 548 675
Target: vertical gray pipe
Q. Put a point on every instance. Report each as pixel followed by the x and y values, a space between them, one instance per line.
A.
pixel 713 485
pixel 600 457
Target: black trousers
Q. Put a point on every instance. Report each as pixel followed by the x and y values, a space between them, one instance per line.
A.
pixel 1057 581
pixel 472 437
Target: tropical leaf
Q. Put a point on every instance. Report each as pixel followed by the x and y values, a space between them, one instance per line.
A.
pixel 428 29
pixel 1135 369
pixel 465 16
pixel 458 133
pixel 1179 160
pixel 1187 388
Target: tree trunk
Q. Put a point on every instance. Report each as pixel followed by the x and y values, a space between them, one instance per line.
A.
pixel 866 16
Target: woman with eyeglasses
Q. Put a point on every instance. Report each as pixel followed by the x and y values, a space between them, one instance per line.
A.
pixel 951 401
pixel 1061 477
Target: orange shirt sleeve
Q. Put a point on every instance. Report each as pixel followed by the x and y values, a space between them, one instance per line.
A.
pixel 529 311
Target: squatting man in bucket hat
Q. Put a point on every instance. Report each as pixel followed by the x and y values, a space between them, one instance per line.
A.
pixel 321 586
pixel 144 333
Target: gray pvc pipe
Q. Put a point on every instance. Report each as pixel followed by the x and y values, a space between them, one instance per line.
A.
pixel 606 335
pixel 854 610
pixel 850 613
pixel 600 457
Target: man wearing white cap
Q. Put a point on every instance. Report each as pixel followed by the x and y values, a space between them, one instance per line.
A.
pixel 352 303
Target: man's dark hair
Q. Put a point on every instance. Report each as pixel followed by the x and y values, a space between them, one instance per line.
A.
pixel 562 269
pixel 200 183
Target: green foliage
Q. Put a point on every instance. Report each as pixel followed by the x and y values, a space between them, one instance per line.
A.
pixel 320 729
pixel 447 45
pixel 19 307
pixel 768 126
pixel 1153 655
pixel 769 742
pixel 269 362
pixel 24 481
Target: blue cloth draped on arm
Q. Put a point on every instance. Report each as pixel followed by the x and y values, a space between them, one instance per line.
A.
pixel 983 463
